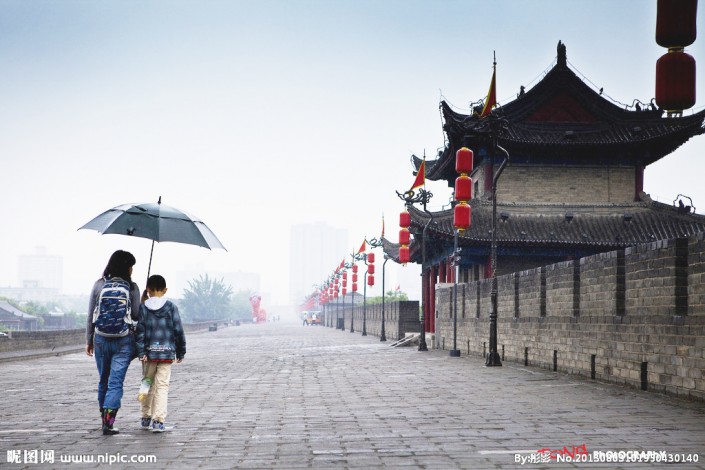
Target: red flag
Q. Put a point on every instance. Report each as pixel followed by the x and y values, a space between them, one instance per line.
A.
pixel 342 265
pixel 491 96
pixel 420 176
pixel 363 247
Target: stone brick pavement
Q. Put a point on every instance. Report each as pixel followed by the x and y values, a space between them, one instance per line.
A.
pixel 288 397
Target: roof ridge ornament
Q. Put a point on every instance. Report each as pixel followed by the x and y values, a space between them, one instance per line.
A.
pixel 562 56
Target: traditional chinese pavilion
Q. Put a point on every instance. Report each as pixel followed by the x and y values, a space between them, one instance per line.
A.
pixel 573 186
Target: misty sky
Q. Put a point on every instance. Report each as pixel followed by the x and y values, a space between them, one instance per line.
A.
pixel 258 115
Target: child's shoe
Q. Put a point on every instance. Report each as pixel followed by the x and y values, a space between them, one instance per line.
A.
pixel 157 426
pixel 146 423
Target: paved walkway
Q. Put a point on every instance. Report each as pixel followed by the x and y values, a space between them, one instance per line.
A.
pixel 289 397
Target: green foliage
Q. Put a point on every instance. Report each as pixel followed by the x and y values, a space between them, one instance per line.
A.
pixel 242 309
pixel 389 296
pixel 206 299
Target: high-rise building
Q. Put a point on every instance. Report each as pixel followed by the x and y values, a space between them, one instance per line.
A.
pixel 41 270
pixel 316 249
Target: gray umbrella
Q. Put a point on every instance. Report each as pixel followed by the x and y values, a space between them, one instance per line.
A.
pixel 155 222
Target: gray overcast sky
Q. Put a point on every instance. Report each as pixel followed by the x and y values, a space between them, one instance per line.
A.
pixel 258 115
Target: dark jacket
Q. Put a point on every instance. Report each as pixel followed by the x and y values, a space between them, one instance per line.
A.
pixel 160 335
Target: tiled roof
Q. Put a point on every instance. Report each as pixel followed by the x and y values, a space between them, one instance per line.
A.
pixel 598 227
pixel 563 120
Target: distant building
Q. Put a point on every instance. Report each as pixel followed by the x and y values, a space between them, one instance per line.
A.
pixel 41 270
pixel 13 318
pixel 315 249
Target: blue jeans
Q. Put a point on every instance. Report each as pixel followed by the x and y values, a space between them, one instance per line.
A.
pixel 112 356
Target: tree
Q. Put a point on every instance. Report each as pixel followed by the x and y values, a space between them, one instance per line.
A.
pixel 242 309
pixel 389 296
pixel 207 299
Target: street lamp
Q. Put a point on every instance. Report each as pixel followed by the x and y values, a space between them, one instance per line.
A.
pixel 496 126
pixel 383 336
pixel 410 198
pixel 462 217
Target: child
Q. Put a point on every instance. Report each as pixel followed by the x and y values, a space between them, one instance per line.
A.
pixel 160 340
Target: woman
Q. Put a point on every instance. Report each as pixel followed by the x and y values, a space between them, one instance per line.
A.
pixel 113 344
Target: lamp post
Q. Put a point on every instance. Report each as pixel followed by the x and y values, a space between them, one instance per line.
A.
pixel 496 126
pixel 423 197
pixel 462 218
pixel 364 300
pixel 373 243
pixel 383 336
pixel 455 352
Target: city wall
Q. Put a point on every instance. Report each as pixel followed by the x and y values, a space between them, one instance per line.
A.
pixel 400 317
pixel 634 317
pixel 26 340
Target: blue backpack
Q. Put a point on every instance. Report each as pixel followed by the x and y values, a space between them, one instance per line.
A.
pixel 113 310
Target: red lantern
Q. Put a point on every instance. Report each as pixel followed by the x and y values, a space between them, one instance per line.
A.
pixel 345 291
pixel 404 236
pixel 675 81
pixel 335 294
pixel 675 23
pixel 370 257
pixel 462 214
pixel 354 268
pixel 354 287
pixel 354 277
pixel 345 283
pixel 404 219
pixel 404 254
pixel 463 188
pixel 371 269
pixel 370 280
pixel 463 160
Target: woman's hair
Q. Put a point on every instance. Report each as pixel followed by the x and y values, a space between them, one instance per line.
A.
pixel 119 265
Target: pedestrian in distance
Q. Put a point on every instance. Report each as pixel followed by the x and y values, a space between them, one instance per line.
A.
pixel 113 311
pixel 160 342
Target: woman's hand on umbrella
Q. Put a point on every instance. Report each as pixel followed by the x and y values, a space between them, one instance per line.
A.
pixel 145 296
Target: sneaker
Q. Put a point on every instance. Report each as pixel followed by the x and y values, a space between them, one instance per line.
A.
pixel 157 426
pixel 146 423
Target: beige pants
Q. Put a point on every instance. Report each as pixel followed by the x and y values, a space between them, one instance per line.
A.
pixel 155 405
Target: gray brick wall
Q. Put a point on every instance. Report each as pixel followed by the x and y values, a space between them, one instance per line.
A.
pixel 615 316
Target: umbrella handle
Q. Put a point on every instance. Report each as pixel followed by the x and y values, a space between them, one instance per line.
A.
pixel 149 269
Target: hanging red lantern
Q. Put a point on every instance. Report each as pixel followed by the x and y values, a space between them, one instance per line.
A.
pixel 462 214
pixel 463 188
pixel 370 280
pixel 675 81
pixel 354 277
pixel 345 283
pixel 675 23
pixel 354 287
pixel 405 219
pixel 404 254
pixel 371 257
pixel 345 291
pixel 354 268
pixel 371 269
pixel 463 161
pixel 345 275
pixel 404 236
pixel 335 294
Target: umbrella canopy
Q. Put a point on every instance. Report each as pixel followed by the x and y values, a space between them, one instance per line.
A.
pixel 155 222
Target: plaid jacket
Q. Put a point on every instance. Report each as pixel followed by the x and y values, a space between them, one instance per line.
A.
pixel 160 334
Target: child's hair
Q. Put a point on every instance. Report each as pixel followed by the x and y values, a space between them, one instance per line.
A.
pixel 156 282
